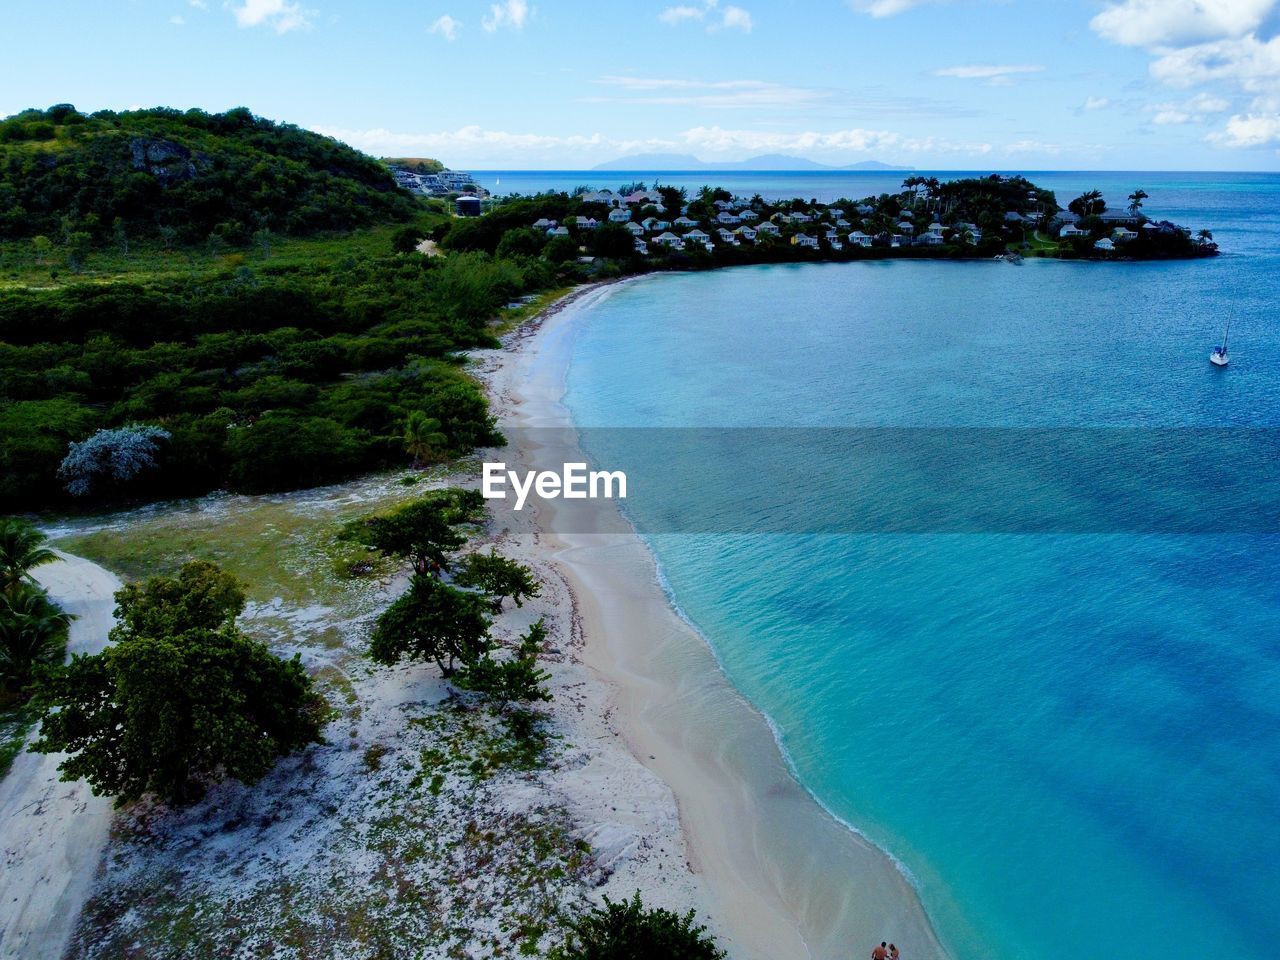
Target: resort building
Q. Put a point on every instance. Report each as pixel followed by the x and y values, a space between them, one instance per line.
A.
pixel 859 239
pixel 804 240
pixel 745 233
pixel 619 215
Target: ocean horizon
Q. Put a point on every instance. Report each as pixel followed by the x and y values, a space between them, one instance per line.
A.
pixel 1065 739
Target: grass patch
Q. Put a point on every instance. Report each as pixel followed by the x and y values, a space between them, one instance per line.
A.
pixel 282 547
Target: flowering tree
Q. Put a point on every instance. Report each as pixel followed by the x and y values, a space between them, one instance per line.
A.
pixel 111 457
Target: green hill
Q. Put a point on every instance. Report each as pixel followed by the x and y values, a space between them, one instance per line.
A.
pixel 181 176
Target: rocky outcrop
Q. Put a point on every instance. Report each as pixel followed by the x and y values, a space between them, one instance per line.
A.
pixel 163 159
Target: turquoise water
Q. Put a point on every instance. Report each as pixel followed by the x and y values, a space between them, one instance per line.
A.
pixel 1072 742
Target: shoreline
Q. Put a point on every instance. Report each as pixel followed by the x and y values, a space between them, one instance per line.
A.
pixel 779 875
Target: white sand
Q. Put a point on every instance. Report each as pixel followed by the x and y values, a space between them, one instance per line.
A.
pixel 778 876
pixel 52 834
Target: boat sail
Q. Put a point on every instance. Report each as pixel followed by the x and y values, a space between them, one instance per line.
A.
pixel 1219 357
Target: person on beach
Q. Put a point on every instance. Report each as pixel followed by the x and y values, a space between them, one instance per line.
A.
pixel 881 952
pixel 893 952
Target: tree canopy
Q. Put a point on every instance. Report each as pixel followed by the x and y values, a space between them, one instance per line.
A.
pixel 141 172
pixel 627 930
pixel 182 699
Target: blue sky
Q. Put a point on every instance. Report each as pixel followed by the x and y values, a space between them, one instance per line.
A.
pixel 936 84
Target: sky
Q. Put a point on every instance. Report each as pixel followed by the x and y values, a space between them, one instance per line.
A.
pixel 554 84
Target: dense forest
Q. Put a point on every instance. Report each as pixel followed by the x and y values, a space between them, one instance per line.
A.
pixel 182 175
pixel 166 363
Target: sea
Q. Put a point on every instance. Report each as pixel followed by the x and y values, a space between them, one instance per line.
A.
pixel 1067 733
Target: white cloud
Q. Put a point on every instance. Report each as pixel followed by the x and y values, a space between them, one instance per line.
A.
pixel 888 8
pixel 1202 43
pixel 446 26
pixel 735 18
pixel 177 21
pixel 1250 130
pixel 198 4
pixel 476 146
pixel 710 12
pixel 996 75
pixel 1162 23
pixel 1097 103
pixel 512 14
pixel 702 93
pixel 719 141
pixel 281 15
pixel 674 15
pixel 1188 111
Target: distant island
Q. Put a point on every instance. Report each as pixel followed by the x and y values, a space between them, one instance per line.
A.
pixel 668 162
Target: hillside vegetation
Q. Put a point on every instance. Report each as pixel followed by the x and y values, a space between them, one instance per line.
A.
pixel 181 176
pixel 194 301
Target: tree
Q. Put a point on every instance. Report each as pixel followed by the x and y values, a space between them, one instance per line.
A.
pixel 202 596
pixel 120 236
pixel 41 246
pixel 432 621
pixel 166 715
pixel 1088 204
pixel 518 679
pixel 629 931
pixel 22 549
pixel 182 699
pixel 1205 235
pixel 497 577
pixel 1135 201
pixel 405 240
pixel 111 458
pixel 612 240
pixel 78 244
pixel 560 249
pixel 422 438
pixel 33 631
pixel 424 531
pixel 522 242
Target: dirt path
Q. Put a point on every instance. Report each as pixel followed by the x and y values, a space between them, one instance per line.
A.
pixel 52 834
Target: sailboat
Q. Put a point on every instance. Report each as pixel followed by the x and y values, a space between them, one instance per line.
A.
pixel 1219 356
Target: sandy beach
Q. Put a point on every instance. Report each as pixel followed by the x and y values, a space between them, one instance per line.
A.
pixel 52 833
pixel 778 876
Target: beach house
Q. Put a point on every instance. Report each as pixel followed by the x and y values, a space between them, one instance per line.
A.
pixel 685 223
pixel 1104 244
pixel 619 215
pixel 859 239
pixel 745 233
pixel 804 240
pixel 771 229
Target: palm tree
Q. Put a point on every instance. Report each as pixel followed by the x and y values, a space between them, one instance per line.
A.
pixel 1087 204
pixel 422 438
pixel 32 631
pixel 1135 201
pixel 21 550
